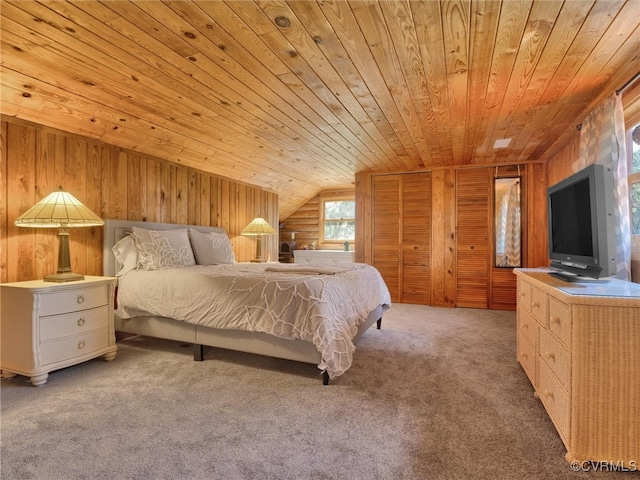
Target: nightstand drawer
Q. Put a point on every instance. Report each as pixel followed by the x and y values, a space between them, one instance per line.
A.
pixel 67 348
pixel 60 326
pixel 73 300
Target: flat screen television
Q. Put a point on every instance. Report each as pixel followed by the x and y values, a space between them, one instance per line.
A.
pixel 582 243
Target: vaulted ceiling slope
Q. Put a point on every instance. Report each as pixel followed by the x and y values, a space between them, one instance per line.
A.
pixel 298 96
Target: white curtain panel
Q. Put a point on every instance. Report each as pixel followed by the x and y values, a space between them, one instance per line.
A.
pixel 602 140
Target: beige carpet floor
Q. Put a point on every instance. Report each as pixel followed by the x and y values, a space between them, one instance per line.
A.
pixel 436 394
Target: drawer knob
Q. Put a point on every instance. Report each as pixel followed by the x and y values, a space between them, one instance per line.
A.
pixel 335 260
pixel 548 394
pixel 81 321
pixel 555 320
pixel 523 354
pixel 80 344
pixel 550 355
pixel 80 299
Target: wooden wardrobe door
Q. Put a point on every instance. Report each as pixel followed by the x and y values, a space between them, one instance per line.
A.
pixel 385 237
pixel 472 246
pixel 401 235
pixel 416 239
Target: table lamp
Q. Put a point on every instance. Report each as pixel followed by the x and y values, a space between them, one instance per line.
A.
pixel 60 210
pixel 258 227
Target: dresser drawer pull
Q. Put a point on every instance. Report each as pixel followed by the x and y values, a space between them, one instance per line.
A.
pixel 555 320
pixel 81 321
pixel 335 260
pixel 548 394
pixel 80 299
pixel 81 344
pixel 550 355
pixel 523 354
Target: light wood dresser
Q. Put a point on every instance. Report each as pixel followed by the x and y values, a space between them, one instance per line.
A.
pixel 46 326
pixel 579 344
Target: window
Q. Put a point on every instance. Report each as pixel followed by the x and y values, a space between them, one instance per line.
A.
pixel 634 178
pixel 338 222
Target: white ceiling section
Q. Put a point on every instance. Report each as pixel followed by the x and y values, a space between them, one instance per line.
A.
pixel 298 96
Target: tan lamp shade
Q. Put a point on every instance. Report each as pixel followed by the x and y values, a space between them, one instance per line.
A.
pixel 60 210
pixel 257 228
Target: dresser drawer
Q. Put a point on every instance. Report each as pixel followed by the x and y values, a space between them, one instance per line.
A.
pixel 527 357
pixel 73 300
pixel 555 400
pixel 331 257
pixel 560 320
pixel 528 326
pixel 60 326
pixel 524 294
pixel 556 357
pixel 70 347
pixel 539 305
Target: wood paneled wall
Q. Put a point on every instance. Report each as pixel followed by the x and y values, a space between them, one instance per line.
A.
pixel 114 183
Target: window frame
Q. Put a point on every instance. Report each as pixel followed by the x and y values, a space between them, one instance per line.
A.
pixel 321 218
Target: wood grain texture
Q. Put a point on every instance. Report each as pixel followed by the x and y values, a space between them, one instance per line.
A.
pixel 113 183
pixel 339 88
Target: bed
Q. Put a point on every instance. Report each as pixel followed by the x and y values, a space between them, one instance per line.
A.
pixel 306 313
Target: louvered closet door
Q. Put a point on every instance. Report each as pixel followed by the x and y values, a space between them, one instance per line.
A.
pixel 402 235
pixel 473 248
pixel 386 230
pixel 416 238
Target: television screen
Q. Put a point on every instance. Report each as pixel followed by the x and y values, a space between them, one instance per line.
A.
pixel 582 225
pixel 571 228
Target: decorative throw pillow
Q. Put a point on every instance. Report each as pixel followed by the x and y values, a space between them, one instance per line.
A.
pixel 126 253
pixel 211 248
pixel 160 249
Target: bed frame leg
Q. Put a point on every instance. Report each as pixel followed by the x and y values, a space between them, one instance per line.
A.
pixel 379 323
pixel 198 352
pixel 325 377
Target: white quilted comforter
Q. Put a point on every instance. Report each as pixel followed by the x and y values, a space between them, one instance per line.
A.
pixel 324 306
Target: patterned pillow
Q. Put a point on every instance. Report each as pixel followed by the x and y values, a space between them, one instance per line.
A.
pixel 160 249
pixel 126 253
pixel 211 248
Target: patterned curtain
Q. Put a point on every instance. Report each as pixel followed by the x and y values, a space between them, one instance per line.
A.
pixel 508 227
pixel 602 140
pixel 512 240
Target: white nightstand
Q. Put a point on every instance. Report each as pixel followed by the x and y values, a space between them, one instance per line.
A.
pixel 46 326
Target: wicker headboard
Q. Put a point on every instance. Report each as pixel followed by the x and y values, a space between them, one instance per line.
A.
pixel 114 230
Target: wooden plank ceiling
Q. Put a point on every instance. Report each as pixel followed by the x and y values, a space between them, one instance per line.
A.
pixel 297 96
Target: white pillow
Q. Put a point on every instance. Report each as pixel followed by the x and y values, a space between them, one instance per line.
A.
pixel 211 248
pixel 126 253
pixel 160 249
